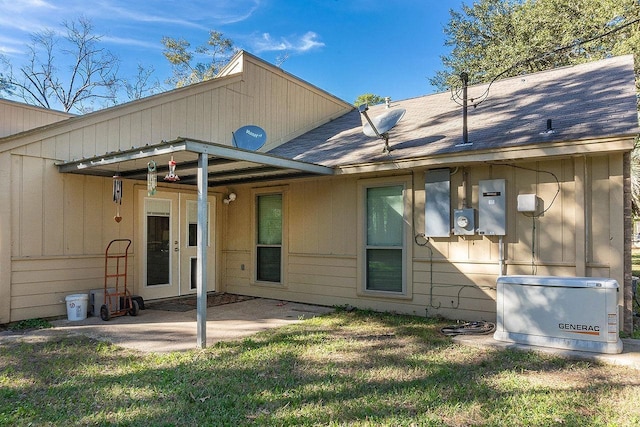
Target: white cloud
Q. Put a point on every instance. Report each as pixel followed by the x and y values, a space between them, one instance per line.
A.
pixel 306 42
pixel 130 42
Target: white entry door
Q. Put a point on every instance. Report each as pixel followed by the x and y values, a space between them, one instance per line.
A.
pixel 169 242
pixel 189 244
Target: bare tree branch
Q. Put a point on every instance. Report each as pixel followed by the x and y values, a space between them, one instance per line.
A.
pixel 82 73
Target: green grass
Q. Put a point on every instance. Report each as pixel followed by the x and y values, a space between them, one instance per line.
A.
pixel 347 368
pixel 30 324
pixel 635 262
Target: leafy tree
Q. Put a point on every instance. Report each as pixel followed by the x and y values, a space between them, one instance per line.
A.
pixel 92 74
pixel 186 70
pixel 369 99
pixel 504 38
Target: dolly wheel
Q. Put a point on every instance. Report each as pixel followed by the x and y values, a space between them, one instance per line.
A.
pixel 104 313
pixel 135 308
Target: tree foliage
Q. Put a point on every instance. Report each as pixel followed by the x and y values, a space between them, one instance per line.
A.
pixel 369 99
pixel 184 60
pixel 69 72
pixel 509 37
pixel 502 38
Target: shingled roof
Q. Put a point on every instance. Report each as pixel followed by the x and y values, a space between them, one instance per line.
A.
pixel 588 101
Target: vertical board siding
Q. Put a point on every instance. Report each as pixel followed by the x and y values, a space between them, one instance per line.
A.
pixel 16 117
pixel 599 205
pixel 322 234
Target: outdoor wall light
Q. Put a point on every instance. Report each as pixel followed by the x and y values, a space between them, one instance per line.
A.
pixel 230 198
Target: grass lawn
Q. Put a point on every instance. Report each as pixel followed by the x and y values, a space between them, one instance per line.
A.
pixel 635 261
pixel 346 368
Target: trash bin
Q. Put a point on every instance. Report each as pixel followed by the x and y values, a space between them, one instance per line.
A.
pixel 77 306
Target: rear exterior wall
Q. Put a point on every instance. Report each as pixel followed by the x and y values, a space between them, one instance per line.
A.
pixel 580 233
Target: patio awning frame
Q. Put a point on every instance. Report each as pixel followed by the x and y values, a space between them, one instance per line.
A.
pixel 226 165
pixel 198 163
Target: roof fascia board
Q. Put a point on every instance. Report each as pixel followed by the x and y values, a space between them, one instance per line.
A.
pixel 531 152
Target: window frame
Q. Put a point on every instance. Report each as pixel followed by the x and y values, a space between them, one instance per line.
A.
pixel 363 244
pixel 255 194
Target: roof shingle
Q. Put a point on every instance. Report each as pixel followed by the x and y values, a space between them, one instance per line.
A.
pixel 592 100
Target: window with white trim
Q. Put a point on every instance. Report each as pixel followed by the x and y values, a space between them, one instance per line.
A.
pixel 385 239
pixel 269 238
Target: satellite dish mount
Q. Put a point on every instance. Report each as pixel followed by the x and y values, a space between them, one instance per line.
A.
pixel 380 125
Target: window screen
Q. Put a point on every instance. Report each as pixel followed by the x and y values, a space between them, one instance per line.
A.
pixel 269 247
pixel 385 238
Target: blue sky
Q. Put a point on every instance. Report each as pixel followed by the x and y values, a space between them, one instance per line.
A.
pixel 346 47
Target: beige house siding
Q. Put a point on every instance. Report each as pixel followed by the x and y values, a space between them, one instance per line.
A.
pixel 454 277
pixel 16 117
pixel 65 221
pixel 55 227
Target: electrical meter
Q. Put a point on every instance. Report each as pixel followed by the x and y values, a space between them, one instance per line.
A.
pixel 464 223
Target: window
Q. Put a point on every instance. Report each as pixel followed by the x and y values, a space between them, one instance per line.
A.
pixel 269 239
pixel 385 239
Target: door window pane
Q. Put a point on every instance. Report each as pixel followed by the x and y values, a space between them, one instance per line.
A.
pixel 269 246
pixel 158 253
pixel 194 272
pixel 192 223
pixel 385 239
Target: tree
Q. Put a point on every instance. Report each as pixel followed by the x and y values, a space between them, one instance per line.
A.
pixel 186 70
pixel 369 99
pixel 502 38
pixel 142 84
pixel 42 81
pixel 508 37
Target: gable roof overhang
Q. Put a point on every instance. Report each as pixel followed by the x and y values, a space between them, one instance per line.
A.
pixel 226 165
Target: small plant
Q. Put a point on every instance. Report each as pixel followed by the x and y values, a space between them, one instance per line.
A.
pixel 30 324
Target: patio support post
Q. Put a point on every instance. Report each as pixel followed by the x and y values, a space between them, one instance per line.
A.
pixel 201 263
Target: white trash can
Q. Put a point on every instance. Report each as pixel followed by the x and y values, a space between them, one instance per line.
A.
pixel 77 305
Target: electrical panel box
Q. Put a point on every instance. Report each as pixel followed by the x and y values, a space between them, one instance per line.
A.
pixel 527 203
pixel 437 206
pixel 464 222
pixel 492 207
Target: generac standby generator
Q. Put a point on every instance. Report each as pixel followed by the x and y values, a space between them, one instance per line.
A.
pixel 574 313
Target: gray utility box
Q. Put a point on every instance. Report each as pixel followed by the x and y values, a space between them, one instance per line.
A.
pixel 96 300
pixel 492 207
pixel 574 313
pixel 437 206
